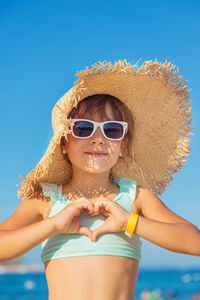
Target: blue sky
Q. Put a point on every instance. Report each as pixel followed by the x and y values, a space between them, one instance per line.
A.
pixel 44 43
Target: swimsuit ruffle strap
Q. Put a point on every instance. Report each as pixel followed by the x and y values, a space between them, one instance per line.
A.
pixel 50 190
pixel 128 186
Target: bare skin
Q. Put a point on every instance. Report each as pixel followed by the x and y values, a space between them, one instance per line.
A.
pixel 108 278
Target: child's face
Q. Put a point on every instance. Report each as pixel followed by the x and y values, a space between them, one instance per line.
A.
pixel 77 149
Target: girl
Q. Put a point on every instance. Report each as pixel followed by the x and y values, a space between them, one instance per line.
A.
pixel 119 135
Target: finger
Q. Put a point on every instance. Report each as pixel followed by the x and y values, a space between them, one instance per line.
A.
pixel 85 205
pixel 86 231
pixel 79 203
pixel 90 212
pixel 79 207
pixel 104 212
pixel 102 204
pixel 100 230
pixel 83 199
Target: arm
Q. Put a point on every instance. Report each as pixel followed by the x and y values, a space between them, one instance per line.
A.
pixel 14 243
pixel 25 229
pixel 164 228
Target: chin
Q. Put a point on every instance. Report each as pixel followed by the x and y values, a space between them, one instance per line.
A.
pixel 97 170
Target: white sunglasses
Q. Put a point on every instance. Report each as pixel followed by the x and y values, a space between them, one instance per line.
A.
pixel 112 130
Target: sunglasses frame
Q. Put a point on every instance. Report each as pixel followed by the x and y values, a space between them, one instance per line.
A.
pixel 100 124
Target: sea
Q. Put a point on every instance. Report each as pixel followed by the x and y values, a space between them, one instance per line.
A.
pixel 151 284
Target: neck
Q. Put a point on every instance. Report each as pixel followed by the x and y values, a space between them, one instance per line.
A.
pixel 88 182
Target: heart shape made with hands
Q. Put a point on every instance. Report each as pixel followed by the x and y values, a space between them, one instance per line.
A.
pixel 116 218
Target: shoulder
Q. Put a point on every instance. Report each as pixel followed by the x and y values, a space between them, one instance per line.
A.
pixel 37 197
pixel 145 197
pixel 39 202
pixel 141 192
pixel 139 195
pixel 30 210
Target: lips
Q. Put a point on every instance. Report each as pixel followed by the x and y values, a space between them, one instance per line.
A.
pixel 96 153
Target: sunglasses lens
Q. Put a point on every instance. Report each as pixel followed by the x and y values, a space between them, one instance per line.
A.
pixel 113 130
pixel 82 128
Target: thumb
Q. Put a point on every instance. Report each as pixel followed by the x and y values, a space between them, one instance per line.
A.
pixel 85 231
pixel 100 230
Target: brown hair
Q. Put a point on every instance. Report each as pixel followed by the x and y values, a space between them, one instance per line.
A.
pixel 97 104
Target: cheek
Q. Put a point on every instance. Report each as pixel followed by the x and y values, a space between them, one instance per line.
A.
pixel 70 138
pixel 71 142
pixel 114 147
pixel 74 145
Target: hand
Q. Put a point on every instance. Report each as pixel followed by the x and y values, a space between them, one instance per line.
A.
pixel 66 221
pixel 116 217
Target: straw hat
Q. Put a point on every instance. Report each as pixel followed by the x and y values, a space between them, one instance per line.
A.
pixel 158 98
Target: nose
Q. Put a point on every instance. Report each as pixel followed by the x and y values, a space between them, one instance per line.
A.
pixel 97 137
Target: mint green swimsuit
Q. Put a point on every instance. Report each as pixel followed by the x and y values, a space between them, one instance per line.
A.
pixel 70 245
